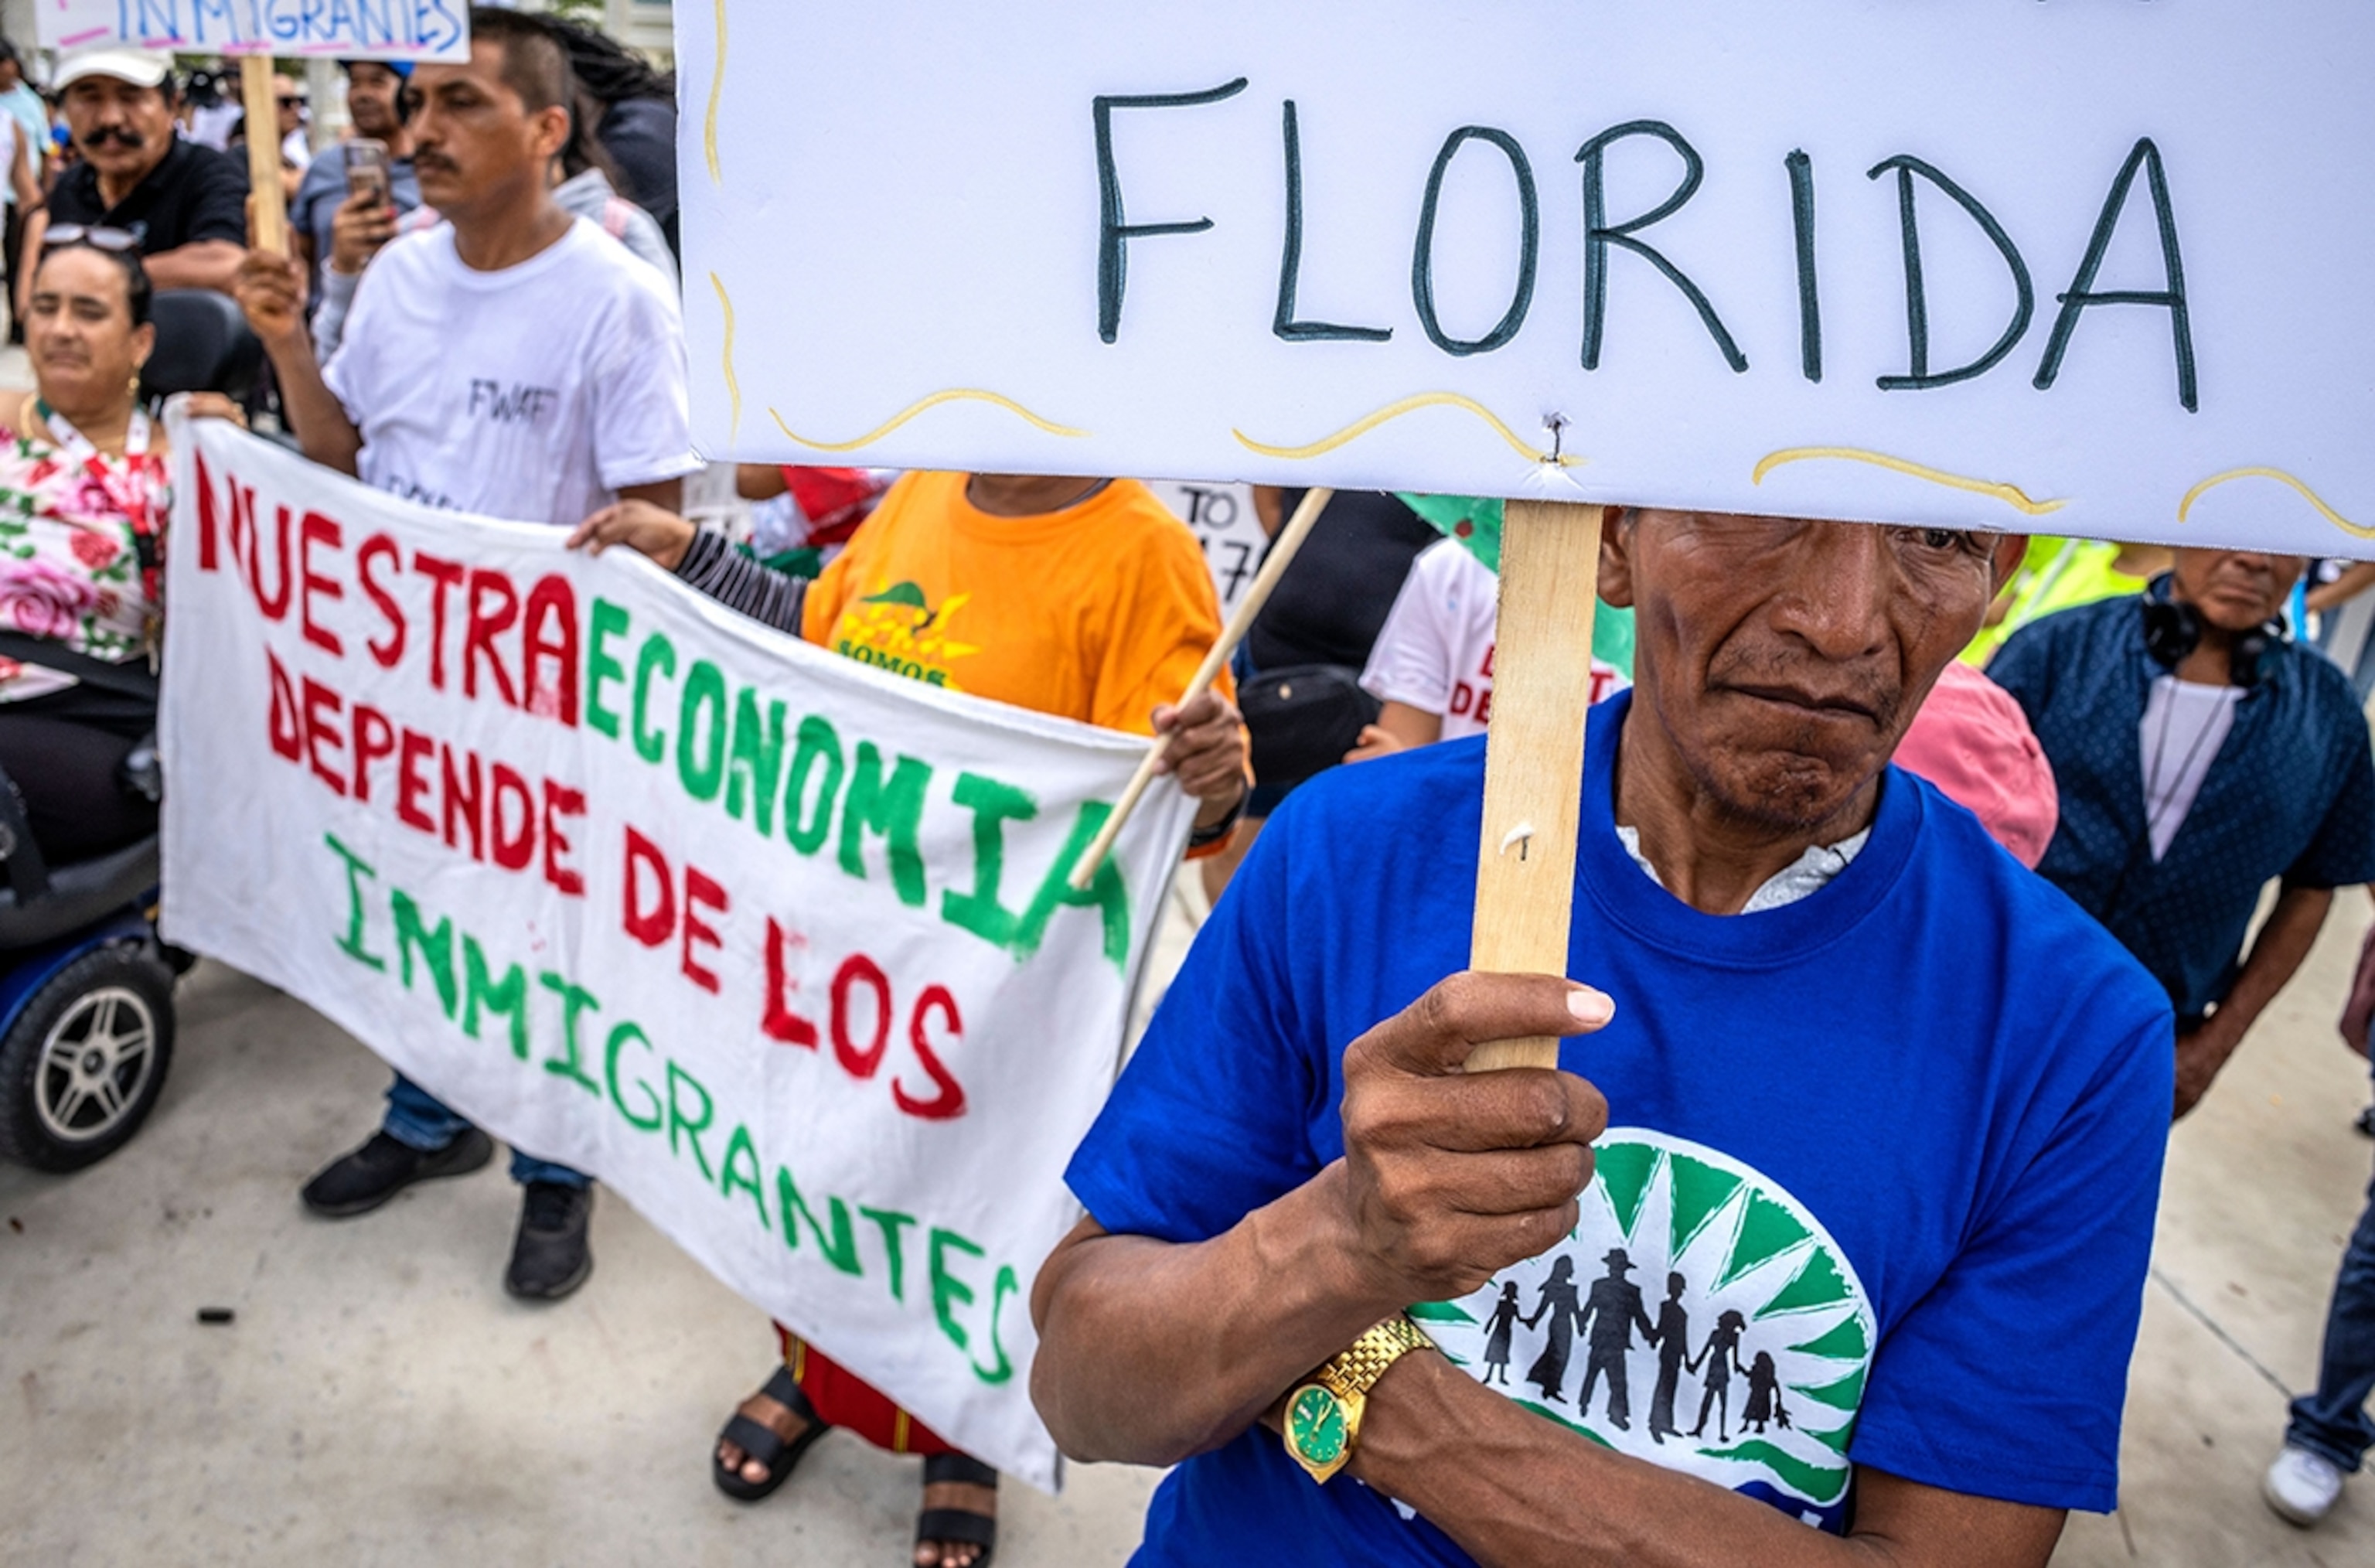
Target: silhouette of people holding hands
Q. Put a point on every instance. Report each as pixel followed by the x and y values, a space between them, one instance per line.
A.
pixel 1562 1303
pixel 1497 1330
pixel 1672 1338
pixel 1721 1356
pixel 1612 1312
pixel 1764 1397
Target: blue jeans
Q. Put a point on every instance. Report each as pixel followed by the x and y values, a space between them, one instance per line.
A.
pixel 2332 1422
pixel 417 1119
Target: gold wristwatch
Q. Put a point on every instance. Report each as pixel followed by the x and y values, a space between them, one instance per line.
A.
pixel 1323 1416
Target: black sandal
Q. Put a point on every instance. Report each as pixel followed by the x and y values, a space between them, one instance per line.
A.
pixel 959 1527
pixel 759 1441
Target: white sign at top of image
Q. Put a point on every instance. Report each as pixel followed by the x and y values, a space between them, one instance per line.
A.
pixel 2077 266
pixel 348 30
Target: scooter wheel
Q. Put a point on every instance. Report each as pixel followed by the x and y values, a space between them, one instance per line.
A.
pixel 86 1059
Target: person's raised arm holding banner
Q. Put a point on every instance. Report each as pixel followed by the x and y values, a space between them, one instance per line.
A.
pixel 1868 1099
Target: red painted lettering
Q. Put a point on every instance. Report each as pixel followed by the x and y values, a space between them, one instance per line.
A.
pixel 515 847
pixel 549 632
pixel 317 529
pixel 949 1101
pixel 322 706
pixel 779 1022
pixel 379 547
pixel 442 574
pixel 374 739
pixel 699 892
pixel 656 924
pixel 486 624
pixel 1463 697
pixel 464 794
pixel 412 783
pixel 561 801
pixel 287 738
pixel 857 970
pixel 274 604
pixel 209 549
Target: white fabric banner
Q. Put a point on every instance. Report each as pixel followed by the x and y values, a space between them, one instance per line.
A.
pixel 778 947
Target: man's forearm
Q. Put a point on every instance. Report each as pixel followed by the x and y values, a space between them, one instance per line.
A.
pixel 319 420
pixel 1514 1489
pixel 1151 1353
pixel 207 263
pixel 2283 945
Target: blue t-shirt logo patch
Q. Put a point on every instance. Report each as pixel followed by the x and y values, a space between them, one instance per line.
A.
pixel 1698 1317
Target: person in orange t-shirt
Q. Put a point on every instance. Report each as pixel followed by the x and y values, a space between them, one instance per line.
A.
pixel 1084 598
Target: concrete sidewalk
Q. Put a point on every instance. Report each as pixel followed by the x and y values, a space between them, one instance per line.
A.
pixel 379 1399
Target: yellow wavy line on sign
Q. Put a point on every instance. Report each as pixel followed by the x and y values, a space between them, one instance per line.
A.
pixel 2355 530
pixel 1362 427
pixel 954 395
pixel 716 91
pixel 733 387
pixel 2011 495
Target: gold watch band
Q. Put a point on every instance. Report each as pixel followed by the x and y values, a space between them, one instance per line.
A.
pixel 1357 1369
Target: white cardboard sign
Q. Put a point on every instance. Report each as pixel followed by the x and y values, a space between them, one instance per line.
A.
pixel 2083 266
pixel 349 30
pixel 779 946
pixel 1226 528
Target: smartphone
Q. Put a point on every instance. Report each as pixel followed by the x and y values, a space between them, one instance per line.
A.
pixel 367 169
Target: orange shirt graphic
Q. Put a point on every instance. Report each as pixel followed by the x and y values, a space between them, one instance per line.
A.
pixel 1100 612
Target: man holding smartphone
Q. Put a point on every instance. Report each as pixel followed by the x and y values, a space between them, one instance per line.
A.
pixel 367 184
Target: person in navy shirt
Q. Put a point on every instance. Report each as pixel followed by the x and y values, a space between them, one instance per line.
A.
pixel 1877 1103
pixel 2199 753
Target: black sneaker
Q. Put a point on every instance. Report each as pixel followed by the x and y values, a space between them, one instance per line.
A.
pixel 360 1182
pixel 549 1255
pixel 2365 1122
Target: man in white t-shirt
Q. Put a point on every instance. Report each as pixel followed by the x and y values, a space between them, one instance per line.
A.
pixel 1431 664
pixel 513 362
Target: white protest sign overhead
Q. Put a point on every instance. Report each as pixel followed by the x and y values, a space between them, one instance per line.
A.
pixel 348 30
pixel 779 946
pixel 2086 267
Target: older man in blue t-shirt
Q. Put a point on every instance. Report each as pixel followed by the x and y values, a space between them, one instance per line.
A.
pixel 1888 1115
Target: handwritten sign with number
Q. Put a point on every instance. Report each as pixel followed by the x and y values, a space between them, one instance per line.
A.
pixel 349 30
pixel 2085 267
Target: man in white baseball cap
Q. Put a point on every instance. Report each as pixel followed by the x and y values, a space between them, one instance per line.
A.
pixel 183 206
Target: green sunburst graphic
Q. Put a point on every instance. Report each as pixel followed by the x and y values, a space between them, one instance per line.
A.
pixel 1681 1245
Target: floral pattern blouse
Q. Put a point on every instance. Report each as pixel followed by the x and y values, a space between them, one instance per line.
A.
pixel 70 567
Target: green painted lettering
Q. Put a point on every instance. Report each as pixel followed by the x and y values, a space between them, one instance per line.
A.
pixel 949 1291
pixel 436 948
pixel 1008 1285
pixel 892 1223
pixel 658 655
pixel 755 767
pixel 609 620
pixel 841 1250
pixel 575 1000
pixel 1106 893
pixel 730 1169
pixel 351 944
pixel 701 762
pixel 993 805
pixel 509 998
pixel 621 1038
pixel 693 1128
pixel 893 810
pixel 818 745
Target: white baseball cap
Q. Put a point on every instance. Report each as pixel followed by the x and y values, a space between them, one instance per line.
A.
pixel 141 67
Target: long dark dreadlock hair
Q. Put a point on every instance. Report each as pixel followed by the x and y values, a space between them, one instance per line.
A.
pixel 607 69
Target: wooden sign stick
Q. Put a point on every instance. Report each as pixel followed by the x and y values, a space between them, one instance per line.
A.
pixel 1282 556
pixel 271 212
pixel 1533 756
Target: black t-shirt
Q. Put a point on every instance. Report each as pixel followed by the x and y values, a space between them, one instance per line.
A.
pixel 195 194
pixel 1332 602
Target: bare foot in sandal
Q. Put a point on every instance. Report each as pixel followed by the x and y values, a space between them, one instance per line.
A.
pixel 970 1501
pixel 769 1433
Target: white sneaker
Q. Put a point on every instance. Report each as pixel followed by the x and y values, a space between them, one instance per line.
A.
pixel 2301 1486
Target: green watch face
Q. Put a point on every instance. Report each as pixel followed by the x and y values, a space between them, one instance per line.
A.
pixel 1315 1424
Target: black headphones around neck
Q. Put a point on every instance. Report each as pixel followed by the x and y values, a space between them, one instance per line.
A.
pixel 2172 630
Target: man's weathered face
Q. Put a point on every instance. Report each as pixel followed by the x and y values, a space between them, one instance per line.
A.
pixel 2236 590
pixel 124 130
pixel 372 91
pixel 1785 658
pixel 472 135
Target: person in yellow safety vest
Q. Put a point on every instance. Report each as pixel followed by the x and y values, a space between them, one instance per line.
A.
pixel 2059 574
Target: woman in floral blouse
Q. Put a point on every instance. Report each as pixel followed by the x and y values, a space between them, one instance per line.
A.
pixel 83 503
